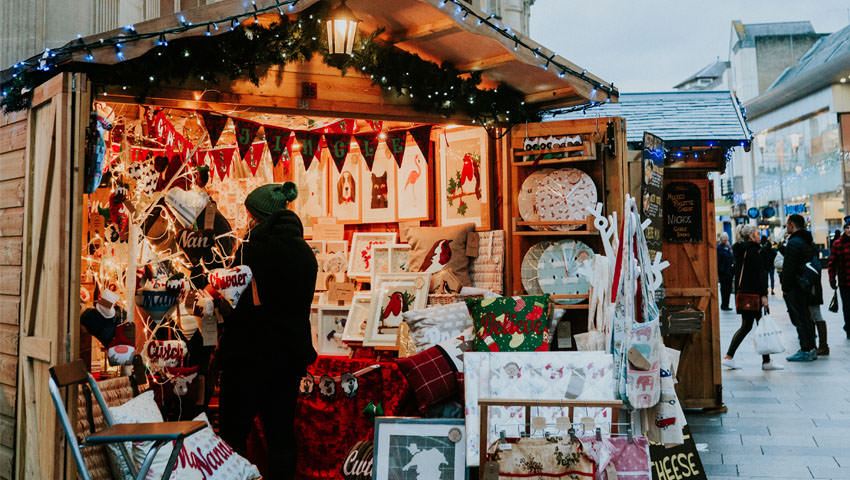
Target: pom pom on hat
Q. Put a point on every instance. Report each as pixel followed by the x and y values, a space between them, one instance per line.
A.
pixel 267 199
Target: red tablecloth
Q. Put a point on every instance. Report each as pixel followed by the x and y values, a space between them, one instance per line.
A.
pixel 327 428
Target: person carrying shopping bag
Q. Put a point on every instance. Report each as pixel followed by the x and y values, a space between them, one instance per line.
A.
pixel 750 292
pixel 839 272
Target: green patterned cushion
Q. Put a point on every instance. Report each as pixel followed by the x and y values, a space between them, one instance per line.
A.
pixel 511 324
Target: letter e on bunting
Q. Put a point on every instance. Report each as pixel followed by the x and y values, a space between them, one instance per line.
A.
pixel 338 144
pixel 395 142
pixel 276 139
pixel 255 154
pixel 422 136
pixel 310 146
pixel 368 143
pixel 214 124
pixel 245 133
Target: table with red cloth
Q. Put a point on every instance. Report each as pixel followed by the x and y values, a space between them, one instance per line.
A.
pixel 327 428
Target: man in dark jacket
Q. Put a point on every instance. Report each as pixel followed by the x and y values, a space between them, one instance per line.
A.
pixel 839 272
pixel 266 344
pixel 768 256
pixel 798 250
pixel 725 270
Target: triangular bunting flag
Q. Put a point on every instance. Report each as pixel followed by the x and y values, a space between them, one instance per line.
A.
pixel 276 139
pixel 214 124
pixel 376 125
pixel 255 154
pixel 395 142
pixel 368 143
pixel 338 145
pixel 221 158
pixel 422 136
pixel 310 146
pixel 200 157
pixel 245 133
pixel 342 126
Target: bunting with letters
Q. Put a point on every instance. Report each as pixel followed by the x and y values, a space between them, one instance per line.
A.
pixel 338 146
pixel 395 142
pixel 214 123
pixel 245 133
pixel 368 143
pixel 277 139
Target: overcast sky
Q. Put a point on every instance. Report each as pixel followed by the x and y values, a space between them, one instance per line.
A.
pixel 651 45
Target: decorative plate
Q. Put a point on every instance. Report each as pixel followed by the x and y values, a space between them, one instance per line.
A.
pixel 529 271
pixel 565 194
pixel 527 195
pixel 566 268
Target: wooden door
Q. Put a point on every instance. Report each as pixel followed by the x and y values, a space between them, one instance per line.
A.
pixel 50 291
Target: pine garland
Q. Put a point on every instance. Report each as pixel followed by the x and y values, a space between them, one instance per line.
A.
pixel 249 50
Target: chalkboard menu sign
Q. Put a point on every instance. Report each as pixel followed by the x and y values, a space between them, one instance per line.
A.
pixel 682 213
pixel 681 462
pixel 652 182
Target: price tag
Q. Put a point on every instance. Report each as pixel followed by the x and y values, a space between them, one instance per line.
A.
pixel 209 216
pixel 328 231
pixel 209 330
pixel 341 293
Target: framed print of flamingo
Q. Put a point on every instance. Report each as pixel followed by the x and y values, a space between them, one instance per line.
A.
pixel 464 177
pixel 413 185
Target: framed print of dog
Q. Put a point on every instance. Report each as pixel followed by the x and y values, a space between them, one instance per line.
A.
pixel 390 258
pixel 463 178
pixel 392 295
pixel 358 317
pixel 379 188
pixel 419 448
pixel 345 191
pixel 360 257
pixel 332 321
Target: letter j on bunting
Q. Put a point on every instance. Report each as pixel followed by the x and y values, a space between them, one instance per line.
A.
pixel 245 133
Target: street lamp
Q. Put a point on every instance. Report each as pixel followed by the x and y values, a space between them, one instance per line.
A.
pixel 341 26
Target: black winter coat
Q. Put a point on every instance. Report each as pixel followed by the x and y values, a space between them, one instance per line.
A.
pixel 750 274
pixel 725 261
pixel 768 256
pixel 798 251
pixel 275 334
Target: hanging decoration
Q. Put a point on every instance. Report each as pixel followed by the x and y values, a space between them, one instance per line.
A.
pixel 245 132
pixel 214 123
pixel 221 159
pixel 276 139
pixel 230 283
pixel 338 145
pixel 310 146
pixel 422 136
pixel 396 140
pixel 255 154
pixel 368 143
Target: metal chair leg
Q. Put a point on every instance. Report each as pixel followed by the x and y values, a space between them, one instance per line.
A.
pixel 172 460
pixel 146 465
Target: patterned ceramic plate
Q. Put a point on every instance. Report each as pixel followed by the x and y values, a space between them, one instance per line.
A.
pixel 527 195
pixel 565 268
pixel 565 194
pixel 530 263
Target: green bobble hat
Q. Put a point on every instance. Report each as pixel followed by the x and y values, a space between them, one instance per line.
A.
pixel 267 199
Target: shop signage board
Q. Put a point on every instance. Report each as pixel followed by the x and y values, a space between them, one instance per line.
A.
pixel 681 462
pixel 683 213
pixel 652 184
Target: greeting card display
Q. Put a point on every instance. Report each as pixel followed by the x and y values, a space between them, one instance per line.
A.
pixel 230 283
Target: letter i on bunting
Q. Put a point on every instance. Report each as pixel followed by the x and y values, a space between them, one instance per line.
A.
pixel 310 147
pixel 395 142
pixel 368 143
pixel 276 139
pixel 338 144
pixel 245 133
pixel 215 125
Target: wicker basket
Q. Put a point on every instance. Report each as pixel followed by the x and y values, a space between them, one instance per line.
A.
pixel 448 298
pixel 488 268
pixel 115 391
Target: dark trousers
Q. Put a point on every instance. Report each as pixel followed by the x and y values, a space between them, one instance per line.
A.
pixel 844 291
pixel 747 320
pixel 246 394
pixel 770 275
pixel 725 291
pixel 797 302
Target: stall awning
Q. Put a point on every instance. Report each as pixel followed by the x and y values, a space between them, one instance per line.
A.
pixel 437 30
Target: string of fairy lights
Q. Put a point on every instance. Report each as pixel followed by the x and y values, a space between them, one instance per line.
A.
pixel 51 59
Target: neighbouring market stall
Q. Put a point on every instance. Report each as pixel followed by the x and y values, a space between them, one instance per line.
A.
pixel 421 205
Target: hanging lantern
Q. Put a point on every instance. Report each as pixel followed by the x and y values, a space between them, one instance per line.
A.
pixel 342 26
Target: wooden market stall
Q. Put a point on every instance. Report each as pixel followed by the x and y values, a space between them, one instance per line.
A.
pixel 698 130
pixel 63 109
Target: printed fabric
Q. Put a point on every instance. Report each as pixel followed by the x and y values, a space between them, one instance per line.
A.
pixel 546 459
pixel 510 324
pixel 630 458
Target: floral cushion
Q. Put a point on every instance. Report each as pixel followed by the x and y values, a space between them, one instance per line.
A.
pixel 510 324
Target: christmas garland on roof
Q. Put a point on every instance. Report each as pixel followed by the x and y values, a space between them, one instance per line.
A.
pixel 249 50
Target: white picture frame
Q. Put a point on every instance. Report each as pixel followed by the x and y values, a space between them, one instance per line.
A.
pixel 413 188
pixel 392 295
pixel 390 258
pixel 312 200
pixel 379 202
pixel 345 189
pixel 331 325
pixel 358 318
pixel 454 146
pixel 360 256
pixel 419 448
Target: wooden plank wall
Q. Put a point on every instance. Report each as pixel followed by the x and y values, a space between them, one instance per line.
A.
pixel 13 137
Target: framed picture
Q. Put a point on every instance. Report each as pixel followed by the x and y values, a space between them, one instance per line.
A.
pixel 346 190
pixel 379 187
pixel 358 317
pixel 312 201
pixel 392 295
pixel 332 320
pixel 314 322
pixel 336 246
pixel 463 178
pixel 418 448
pixel 389 258
pixel 318 246
pixel 332 268
pixel 360 257
pixel 413 190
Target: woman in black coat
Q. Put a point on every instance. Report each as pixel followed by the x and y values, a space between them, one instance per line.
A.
pixel 750 277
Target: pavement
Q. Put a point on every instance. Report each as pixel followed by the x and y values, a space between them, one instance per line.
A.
pixel 790 424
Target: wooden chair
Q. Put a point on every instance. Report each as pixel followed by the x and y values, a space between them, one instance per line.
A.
pixel 74 373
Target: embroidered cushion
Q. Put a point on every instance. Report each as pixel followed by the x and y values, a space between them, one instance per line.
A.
pixel 510 324
pixel 433 325
pixel 439 249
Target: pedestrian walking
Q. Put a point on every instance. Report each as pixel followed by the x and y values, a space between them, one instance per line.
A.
pixel 839 273
pixel 768 256
pixel 798 250
pixel 725 266
pixel 750 278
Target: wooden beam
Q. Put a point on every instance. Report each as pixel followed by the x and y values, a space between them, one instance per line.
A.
pixel 428 31
pixel 39 348
pixel 487 63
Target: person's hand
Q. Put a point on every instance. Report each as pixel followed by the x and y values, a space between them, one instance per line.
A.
pixel 764 301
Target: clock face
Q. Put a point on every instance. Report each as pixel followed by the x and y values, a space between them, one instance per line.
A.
pixel 565 268
pixel 529 268
pixel 527 197
pixel 565 194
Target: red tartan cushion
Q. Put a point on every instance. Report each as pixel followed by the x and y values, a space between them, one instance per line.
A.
pixel 431 374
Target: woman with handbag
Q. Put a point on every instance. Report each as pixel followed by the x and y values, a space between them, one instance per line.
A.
pixel 750 291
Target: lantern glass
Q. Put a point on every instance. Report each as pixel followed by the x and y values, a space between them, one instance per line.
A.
pixel 342 27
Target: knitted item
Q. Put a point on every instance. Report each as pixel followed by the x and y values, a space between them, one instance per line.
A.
pixel 265 200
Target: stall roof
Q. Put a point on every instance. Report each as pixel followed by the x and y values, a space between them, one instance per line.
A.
pixel 431 28
pixel 679 118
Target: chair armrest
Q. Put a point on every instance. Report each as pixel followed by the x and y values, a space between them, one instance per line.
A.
pixel 145 432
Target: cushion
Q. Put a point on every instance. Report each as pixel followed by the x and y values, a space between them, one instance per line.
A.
pixel 430 326
pixel 434 249
pixel 141 409
pixel 510 324
pixel 205 455
pixel 431 374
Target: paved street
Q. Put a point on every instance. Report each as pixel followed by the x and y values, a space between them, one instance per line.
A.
pixel 782 424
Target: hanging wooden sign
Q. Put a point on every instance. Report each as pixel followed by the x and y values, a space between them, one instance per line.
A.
pixel 682 213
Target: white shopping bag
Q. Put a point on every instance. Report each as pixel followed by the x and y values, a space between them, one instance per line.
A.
pixel 767 337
